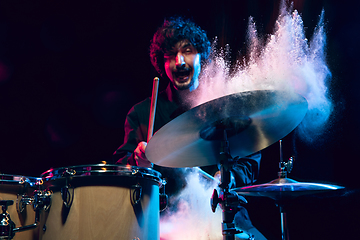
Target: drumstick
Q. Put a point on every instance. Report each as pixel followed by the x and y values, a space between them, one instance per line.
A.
pixel 206 175
pixel 152 120
pixel 153 108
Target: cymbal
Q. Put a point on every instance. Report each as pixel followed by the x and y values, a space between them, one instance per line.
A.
pixel 253 121
pixel 285 188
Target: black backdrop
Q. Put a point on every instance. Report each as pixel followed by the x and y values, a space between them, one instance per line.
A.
pixel 70 71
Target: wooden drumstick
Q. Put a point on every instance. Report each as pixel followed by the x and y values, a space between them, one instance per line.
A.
pixel 153 108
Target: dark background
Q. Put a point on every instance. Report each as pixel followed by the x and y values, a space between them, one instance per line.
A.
pixel 70 71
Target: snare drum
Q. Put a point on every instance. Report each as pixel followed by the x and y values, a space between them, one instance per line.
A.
pixel 20 189
pixel 101 201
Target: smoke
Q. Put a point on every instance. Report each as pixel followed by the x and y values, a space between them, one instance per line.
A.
pixel 192 217
pixel 285 61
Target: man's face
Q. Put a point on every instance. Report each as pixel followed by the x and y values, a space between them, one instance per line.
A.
pixel 182 66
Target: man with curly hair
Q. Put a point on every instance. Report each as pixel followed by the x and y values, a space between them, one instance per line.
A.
pixel 178 51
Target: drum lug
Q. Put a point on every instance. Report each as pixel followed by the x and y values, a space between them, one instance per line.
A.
pixel 24 200
pixel 66 196
pixel 135 194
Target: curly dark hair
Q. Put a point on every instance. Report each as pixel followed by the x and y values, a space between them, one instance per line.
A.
pixel 171 32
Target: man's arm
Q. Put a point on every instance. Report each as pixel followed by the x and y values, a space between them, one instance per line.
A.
pixel 132 151
pixel 246 169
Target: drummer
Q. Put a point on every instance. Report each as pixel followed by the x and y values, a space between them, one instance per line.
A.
pixel 178 51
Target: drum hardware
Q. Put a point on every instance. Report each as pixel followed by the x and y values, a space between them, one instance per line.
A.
pixel 24 200
pixel 216 199
pixel 66 196
pixel 164 199
pixel 285 167
pixel 284 189
pixel 136 191
pixel 69 172
pixel 228 200
pixel 134 171
pixel 7 226
pixel 135 194
pixel 42 200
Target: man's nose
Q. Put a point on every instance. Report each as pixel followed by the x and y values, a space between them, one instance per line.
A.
pixel 180 61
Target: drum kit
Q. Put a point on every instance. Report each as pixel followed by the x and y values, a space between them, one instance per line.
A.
pixel 107 201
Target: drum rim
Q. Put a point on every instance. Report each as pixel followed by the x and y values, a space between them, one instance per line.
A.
pixel 114 170
pixel 19 179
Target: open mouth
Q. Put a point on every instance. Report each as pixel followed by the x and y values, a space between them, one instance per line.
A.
pixel 182 75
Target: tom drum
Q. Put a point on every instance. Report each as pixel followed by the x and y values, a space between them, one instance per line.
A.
pixel 101 201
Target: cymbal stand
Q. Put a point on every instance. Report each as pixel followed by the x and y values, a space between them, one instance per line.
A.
pixel 285 168
pixel 228 200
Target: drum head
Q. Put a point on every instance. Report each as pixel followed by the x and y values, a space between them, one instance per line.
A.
pixel 98 174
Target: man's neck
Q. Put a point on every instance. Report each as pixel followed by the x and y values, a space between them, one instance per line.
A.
pixel 181 97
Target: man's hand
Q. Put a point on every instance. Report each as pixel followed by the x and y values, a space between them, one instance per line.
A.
pixel 139 155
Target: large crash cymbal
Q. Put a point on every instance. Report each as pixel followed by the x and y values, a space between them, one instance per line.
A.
pixel 285 188
pixel 254 120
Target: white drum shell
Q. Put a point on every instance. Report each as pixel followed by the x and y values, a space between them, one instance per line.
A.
pixel 102 208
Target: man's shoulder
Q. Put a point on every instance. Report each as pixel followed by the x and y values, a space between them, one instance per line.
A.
pixel 145 104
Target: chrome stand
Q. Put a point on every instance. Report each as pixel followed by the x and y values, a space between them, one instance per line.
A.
pixel 285 168
pixel 228 200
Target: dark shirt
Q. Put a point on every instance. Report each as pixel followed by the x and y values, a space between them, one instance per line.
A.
pixel 245 169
